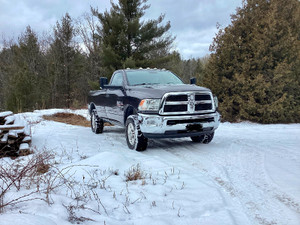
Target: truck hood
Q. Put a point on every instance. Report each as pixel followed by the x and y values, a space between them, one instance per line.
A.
pixel 157 91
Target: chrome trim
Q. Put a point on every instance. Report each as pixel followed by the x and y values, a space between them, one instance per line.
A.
pixel 186 102
pixel 157 124
pixel 191 103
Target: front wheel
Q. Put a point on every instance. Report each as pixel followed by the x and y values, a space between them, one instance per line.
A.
pixel 96 123
pixel 205 138
pixel 134 137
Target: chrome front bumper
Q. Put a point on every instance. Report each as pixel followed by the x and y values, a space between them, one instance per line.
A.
pixel 156 126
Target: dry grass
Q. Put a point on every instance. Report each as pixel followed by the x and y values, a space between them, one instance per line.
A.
pixel 72 119
pixel 134 173
pixel 69 118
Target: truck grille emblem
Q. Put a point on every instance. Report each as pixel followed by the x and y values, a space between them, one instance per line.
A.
pixel 191 103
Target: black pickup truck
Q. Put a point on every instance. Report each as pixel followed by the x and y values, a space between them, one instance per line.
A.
pixel 154 103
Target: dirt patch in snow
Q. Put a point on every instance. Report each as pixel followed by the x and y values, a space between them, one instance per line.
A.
pixel 69 118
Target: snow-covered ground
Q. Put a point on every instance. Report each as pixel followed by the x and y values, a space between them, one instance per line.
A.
pixel 249 174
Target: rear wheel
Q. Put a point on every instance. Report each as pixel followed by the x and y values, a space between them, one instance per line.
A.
pixel 205 138
pixel 96 123
pixel 134 137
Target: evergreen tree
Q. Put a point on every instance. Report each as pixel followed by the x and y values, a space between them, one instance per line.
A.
pixel 33 59
pixel 175 64
pixel 254 67
pixel 66 66
pixel 22 69
pixel 4 56
pixel 127 41
pixel 186 69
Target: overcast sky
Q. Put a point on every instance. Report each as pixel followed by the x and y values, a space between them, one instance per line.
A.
pixel 193 22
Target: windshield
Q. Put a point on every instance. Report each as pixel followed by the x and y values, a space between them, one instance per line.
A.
pixel 145 77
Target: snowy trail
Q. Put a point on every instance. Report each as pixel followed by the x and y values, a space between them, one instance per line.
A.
pixel 249 174
pixel 246 170
pixel 245 167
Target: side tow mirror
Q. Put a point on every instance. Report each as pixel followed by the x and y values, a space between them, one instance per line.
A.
pixel 193 80
pixel 103 81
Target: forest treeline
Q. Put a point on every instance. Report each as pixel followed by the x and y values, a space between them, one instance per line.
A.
pixel 253 68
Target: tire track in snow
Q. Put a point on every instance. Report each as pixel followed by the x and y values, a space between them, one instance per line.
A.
pixel 249 187
pixel 167 155
pixel 238 168
pixel 223 183
pixel 268 186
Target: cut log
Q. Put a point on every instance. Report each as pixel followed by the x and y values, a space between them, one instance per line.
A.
pixel 26 139
pixel 15 135
pixel 27 130
pixel 4 139
pixel 20 132
pixel 5 114
pixel 11 141
pixel 9 120
pixel 24 146
pixel 12 134
pixel 11 127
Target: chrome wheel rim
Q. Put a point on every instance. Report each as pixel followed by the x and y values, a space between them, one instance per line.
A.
pixel 131 133
pixel 94 123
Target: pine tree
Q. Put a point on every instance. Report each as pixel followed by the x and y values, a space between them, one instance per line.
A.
pixel 127 41
pixel 22 68
pixel 66 66
pixel 254 67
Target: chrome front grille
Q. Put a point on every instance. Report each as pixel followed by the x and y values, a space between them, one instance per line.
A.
pixel 187 103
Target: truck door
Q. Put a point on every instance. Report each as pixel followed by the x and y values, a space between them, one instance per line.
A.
pixel 115 97
pixel 99 98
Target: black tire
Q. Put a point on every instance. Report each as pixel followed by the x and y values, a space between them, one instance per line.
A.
pixel 134 137
pixel 205 138
pixel 96 123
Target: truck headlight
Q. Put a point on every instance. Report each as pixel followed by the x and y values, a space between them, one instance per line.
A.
pixel 149 105
pixel 216 102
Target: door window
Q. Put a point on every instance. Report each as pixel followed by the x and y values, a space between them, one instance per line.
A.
pixel 117 80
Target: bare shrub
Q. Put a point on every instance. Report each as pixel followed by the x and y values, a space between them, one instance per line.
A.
pixel 38 178
pixel 17 174
pixel 135 173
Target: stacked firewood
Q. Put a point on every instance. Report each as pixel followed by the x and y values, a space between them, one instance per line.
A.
pixel 15 135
